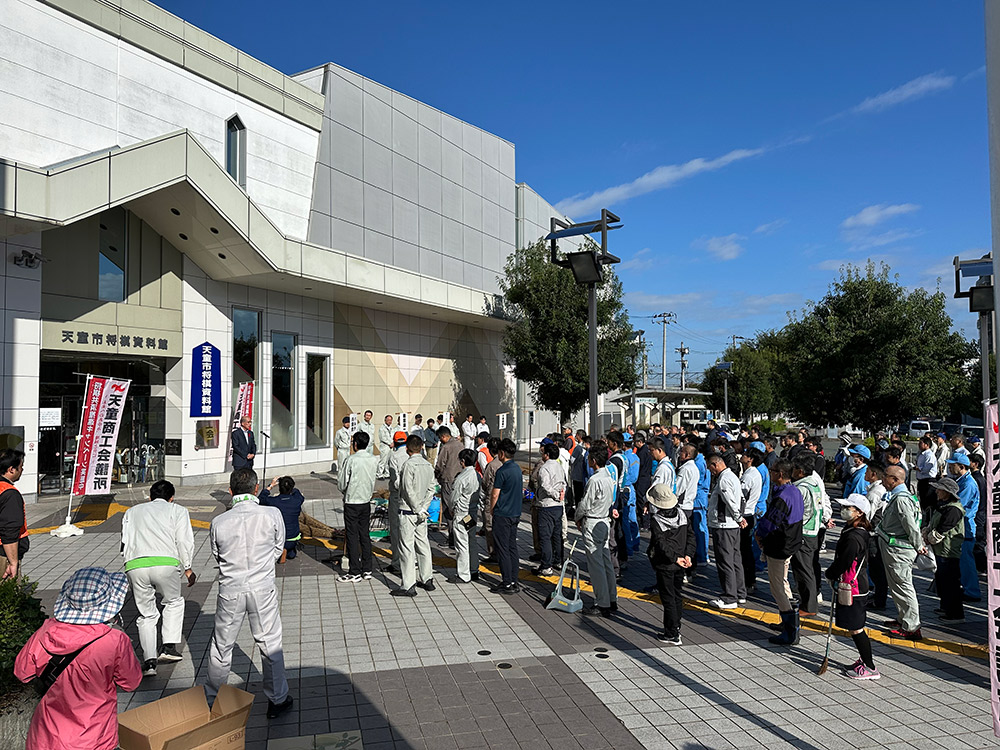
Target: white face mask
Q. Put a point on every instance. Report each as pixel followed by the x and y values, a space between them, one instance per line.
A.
pixel 847 513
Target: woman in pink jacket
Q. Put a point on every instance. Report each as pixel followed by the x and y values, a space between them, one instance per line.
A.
pixel 80 710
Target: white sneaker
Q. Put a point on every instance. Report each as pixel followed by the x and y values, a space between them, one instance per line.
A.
pixel 348 578
pixel 741 602
pixel 366 576
pixel 719 604
pixel 819 598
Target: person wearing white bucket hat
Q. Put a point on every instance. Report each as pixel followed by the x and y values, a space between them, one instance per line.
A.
pixel 671 547
pixel 849 577
pixel 80 707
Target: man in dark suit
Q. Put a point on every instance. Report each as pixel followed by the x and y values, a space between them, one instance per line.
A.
pixel 244 446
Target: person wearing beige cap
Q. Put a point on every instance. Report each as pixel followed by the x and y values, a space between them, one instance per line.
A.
pixel 671 547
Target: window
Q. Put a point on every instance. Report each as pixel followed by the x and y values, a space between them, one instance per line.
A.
pixel 246 336
pixel 317 410
pixel 236 150
pixel 113 249
pixel 282 391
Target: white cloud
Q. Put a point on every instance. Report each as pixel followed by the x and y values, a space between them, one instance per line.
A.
pixel 771 227
pixel 872 215
pixel 641 261
pixel 831 264
pixel 759 304
pixel 723 248
pixel 662 177
pixel 915 89
pixel 663 302
pixel 865 240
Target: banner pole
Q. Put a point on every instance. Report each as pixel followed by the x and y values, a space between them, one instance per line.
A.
pixel 68 529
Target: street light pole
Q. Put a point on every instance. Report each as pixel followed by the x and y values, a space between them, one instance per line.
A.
pixel 586 266
pixel 725 390
pixel 592 318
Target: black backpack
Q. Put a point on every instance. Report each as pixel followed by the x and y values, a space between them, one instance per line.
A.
pixel 56 666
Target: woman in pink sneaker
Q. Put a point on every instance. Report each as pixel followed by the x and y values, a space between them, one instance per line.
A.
pixel 79 711
pixel 849 571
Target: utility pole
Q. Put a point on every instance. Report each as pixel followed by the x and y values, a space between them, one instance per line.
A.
pixel 635 406
pixel 664 318
pixel 735 338
pixel 683 351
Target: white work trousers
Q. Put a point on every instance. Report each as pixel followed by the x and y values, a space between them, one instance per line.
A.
pixel 394 531
pixel 146 584
pixel 261 608
pixel 596 536
pixel 384 451
pixel 466 548
pixel 414 550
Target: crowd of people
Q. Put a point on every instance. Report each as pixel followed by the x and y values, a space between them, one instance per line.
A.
pixel 757 503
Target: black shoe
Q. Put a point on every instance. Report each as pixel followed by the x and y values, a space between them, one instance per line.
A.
pixel 535 558
pixel 456 579
pixel 149 668
pixel 496 588
pixel 274 710
pixel 596 611
pixel 404 592
pixel 490 559
pixel 427 585
pixel 614 607
pixel 973 599
pixel 169 653
pixel 475 576
pixel 511 589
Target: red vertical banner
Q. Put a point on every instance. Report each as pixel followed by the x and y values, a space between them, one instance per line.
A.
pixel 244 408
pixel 991 430
pixel 95 451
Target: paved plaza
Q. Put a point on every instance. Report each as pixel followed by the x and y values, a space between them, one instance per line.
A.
pixel 462 668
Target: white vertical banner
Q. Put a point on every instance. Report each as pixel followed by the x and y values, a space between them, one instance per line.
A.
pixel 353 425
pixel 991 429
pixel 95 451
pixel 404 422
pixel 502 419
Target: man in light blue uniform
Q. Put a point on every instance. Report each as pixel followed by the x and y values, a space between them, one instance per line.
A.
pixel 700 517
pixel 968 494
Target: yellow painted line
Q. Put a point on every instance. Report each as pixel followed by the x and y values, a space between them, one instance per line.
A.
pixel 973 650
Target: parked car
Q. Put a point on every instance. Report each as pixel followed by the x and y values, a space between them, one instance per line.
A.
pixel 918 427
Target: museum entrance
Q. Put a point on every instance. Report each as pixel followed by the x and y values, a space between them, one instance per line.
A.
pixel 139 452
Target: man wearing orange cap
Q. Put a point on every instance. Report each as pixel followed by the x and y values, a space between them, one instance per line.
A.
pixel 395 465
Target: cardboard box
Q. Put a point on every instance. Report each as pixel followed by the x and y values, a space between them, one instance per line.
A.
pixel 183 722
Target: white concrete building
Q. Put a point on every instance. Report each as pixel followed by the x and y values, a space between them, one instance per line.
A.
pixel 337 241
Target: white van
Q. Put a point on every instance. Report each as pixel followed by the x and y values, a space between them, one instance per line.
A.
pixel 918 427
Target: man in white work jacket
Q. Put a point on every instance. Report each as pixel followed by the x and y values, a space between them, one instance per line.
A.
pixel 247 541
pixel 157 544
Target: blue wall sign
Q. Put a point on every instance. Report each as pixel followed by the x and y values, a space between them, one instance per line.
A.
pixel 206 381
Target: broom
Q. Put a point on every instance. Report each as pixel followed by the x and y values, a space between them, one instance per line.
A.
pixel 829 634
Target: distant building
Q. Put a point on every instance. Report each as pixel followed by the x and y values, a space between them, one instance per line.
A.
pixel 337 241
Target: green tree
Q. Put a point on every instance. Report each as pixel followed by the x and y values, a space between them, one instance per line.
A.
pixel 546 343
pixel 751 388
pixel 872 354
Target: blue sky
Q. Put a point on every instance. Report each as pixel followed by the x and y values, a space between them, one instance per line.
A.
pixel 750 149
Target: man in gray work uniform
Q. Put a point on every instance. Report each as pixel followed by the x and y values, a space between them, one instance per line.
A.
pixel 247 541
pixel 593 518
pixel 396 460
pixel 416 492
pixel 384 446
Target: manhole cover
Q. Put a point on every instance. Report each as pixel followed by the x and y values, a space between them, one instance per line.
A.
pixel 603 656
pixel 601 650
pixel 484 652
pixel 504 665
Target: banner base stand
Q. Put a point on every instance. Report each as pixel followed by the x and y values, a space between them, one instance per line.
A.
pixel 66 530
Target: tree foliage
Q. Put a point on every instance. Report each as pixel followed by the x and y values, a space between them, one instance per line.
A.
pixel 871 353
pixel 546 343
